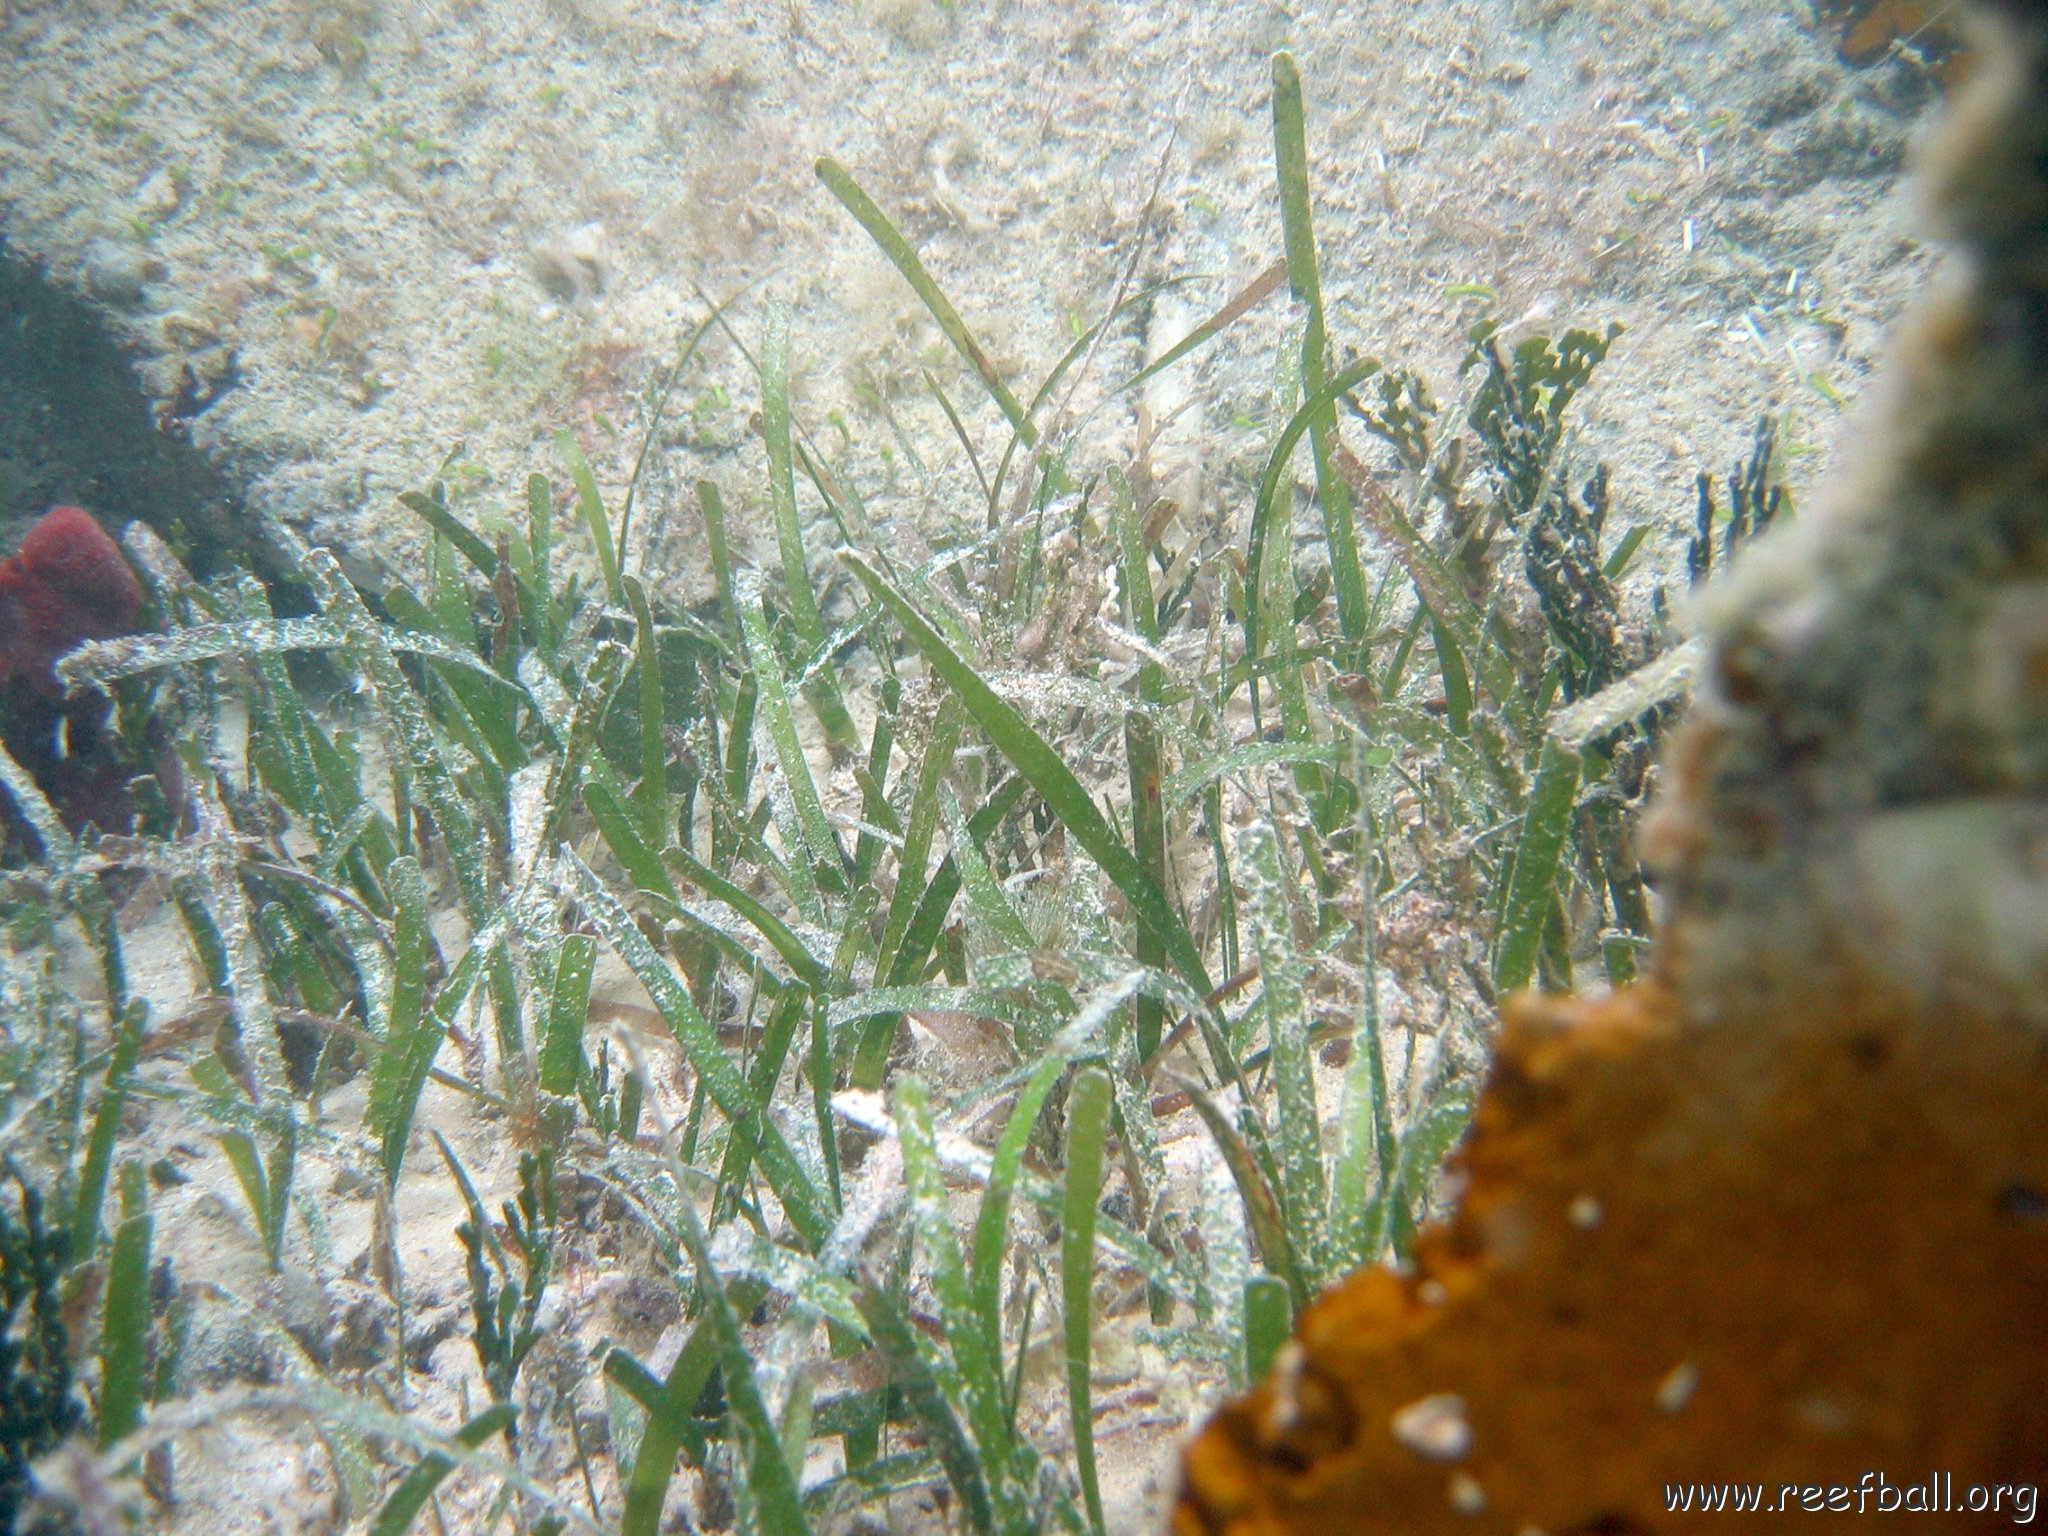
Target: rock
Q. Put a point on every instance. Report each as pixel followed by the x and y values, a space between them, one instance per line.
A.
pixel 227 1344
pixel 117 274
pixel 303 1309
pixel 637 1308
pixel 364 1334
pixel 157 198
pixel 1773 1216
pixel 575 267
pixel 428 1329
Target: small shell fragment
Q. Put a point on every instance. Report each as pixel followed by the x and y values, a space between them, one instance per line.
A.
pixel 1676 1389
pixel 1435 1427
pixel 1467 1497
pixel 1584 1213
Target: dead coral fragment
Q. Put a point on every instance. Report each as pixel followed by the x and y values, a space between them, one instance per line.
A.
pixel 1821 1254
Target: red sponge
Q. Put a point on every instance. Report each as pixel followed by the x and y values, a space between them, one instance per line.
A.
pixel 66 584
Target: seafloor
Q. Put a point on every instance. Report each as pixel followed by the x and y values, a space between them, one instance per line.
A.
pixel 345 241
pixel 353 247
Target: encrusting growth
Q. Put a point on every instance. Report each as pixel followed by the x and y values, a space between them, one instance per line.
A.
pixel 1777 1217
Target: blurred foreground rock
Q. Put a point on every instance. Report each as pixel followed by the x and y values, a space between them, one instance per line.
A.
pixel 1779 1217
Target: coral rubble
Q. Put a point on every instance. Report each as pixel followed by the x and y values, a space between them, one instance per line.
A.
pixel 1778 1217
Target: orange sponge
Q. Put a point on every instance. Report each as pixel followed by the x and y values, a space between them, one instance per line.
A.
pixel 1809 1261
